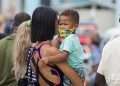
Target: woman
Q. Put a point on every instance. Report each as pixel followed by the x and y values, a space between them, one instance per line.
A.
pixel 21 44
pixel 43 26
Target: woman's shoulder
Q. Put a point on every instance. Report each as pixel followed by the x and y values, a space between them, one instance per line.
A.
pixel 49 48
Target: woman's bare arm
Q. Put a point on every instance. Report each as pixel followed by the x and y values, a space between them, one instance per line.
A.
pixel 53 55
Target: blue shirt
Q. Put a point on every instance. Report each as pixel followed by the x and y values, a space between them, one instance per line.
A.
pixel 72 45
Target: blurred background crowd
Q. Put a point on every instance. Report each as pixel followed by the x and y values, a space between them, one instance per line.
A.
pixel 99 23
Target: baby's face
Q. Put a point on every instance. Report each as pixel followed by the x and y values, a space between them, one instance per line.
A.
pixel 65 22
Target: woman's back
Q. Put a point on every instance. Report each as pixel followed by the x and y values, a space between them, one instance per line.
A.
pixel 49 71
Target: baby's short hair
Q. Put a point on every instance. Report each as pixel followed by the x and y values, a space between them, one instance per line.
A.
pixel 74 15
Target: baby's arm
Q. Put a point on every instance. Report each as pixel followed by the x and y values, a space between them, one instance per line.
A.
pixel 59 58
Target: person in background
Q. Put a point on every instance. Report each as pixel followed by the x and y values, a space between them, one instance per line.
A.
pixel 108 73
pixel 90 41
pixel 9 26
pixel 6 45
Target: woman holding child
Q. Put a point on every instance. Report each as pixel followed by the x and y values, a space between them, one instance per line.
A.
pixel 40 56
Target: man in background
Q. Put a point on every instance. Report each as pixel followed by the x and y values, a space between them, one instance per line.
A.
pixel 6 46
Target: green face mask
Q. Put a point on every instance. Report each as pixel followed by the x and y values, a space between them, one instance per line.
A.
pixel 65 32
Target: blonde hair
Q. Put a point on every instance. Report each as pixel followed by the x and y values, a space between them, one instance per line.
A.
pixel 21 44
